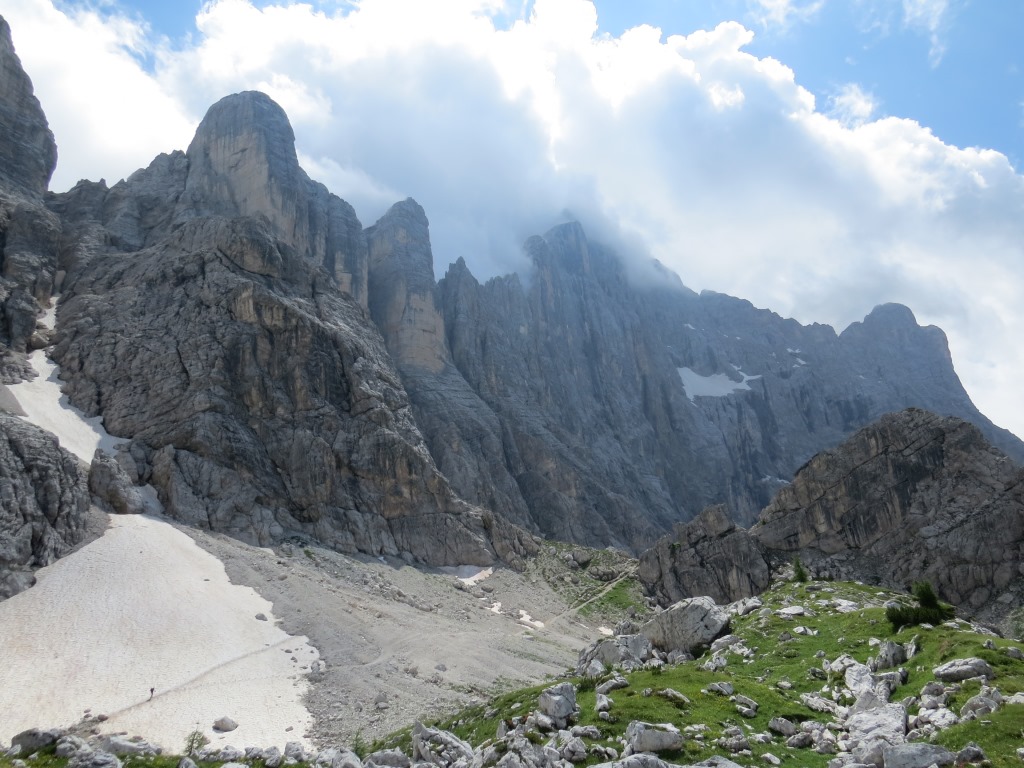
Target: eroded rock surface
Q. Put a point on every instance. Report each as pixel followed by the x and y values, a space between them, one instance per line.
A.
pixel 44 501
pixel 912 497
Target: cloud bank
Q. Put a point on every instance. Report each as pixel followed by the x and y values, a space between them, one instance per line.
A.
pixel 502 123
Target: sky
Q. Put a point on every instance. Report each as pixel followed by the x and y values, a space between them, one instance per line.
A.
pixel 817 157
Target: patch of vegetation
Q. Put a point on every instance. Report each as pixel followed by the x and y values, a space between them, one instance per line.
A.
pixel 623 599
pixel 194 742
pixel 927 611
pixel 799 572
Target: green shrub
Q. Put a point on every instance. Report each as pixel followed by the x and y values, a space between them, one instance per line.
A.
pixel 195 741
pixel 912 615
pixel 925 595
pixel 799 572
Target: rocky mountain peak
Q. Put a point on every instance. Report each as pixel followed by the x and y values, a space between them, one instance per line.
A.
pixel 564 245
pixel 28 153
pixel 401 288
pixel 242 161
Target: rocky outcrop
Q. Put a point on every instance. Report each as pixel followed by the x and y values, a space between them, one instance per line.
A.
pixel 687 626
pixel 29 234
pixel 710 555
pixel 913 496
pixel 28 153
pixel 43 502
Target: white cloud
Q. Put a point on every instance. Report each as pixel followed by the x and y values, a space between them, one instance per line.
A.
pixel 714 160
pixel 851 105
pixel 783 13
pixel 929 17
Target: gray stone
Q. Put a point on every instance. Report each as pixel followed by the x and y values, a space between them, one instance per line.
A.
pixel 650 737
pixel 963 669
pixel 916 756
pixel 558 703
pixel 36 738
pixel 93 758
pixel 121 746
pixel 441 748
pixel 224 724
pixel 389 758
pixel 782 726
pixel 687 625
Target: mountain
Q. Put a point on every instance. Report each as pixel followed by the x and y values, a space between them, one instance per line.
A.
pixel 277 370
pixel 913 496
pixel 587 407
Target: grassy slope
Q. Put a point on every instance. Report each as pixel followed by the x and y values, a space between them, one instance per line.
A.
pixel 788 662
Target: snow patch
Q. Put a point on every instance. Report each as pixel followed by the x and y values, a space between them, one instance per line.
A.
pixel 44 405
pixel 525 618
pixel 468 574
pixel 715 385
pixel 143 607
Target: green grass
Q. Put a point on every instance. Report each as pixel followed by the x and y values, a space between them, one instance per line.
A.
pixel 625 597
pixel 775 661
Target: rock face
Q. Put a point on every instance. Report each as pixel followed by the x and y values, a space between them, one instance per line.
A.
pixel 43 502
pixel 234 349
pixel 29 234
pixel 588 408
pixel 28 153
pixel 913 496
pixel 710 555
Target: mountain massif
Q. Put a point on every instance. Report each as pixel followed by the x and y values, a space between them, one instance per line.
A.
pixel 277 370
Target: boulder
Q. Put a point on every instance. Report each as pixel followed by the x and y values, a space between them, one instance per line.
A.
pixel 687 626
pixel 558 703
pixel 224 724
pixel 963 669
pixel 648 737
pixel 36 738
pixel 441 748
pixel 872 730
pixel 916 755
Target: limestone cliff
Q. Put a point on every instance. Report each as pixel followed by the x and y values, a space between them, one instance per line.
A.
pixel 212 314
pixel 29 234
pixel 912 496
pixel 588 408
pixel 43 502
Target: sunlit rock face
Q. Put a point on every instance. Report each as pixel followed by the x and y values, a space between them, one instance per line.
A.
pixel 214 313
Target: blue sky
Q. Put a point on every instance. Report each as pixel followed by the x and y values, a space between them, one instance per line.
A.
pixel 817 157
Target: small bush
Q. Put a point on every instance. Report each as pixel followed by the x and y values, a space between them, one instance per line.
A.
pixel 799 572
pixel 359 745
pixel 912 615
pixel 195 741
pixel 925 595
pixel 586 684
